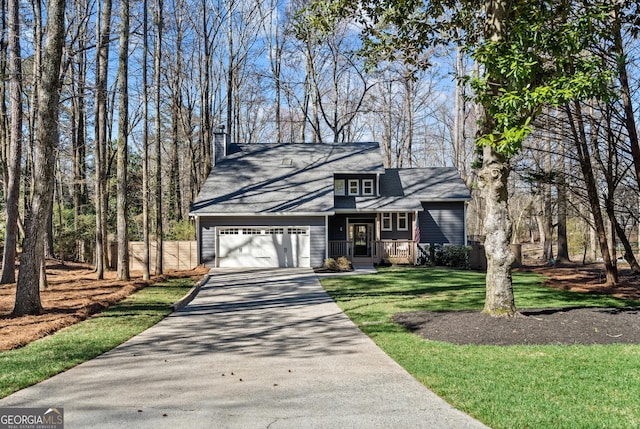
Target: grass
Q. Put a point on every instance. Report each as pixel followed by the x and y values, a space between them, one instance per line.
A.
pixel 41 359
pixel 504 387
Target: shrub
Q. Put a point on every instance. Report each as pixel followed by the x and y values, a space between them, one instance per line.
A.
pixel 330 264
pixel 183 230
pixel 341 264
pixel 453 256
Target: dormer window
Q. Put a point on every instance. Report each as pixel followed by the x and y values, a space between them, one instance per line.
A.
pixel 367 187
pixel 354 187
pixel 338 187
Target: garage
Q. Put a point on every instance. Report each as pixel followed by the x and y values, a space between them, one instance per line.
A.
pixel 263 246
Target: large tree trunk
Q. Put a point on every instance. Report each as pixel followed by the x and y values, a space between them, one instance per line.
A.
pixel 27 290
pixel 27 175
pixel 123 136
pixel 4 126
pixel 146 272
pixel 175 195
pixel 102 67
pixel 493 177
pixel 158 142
pixel 79 140
pixel 206 121
pixel 15 146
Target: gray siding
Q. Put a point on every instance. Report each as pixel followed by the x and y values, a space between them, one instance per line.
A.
pixel 316 224
pixel 442 223
pixel 207 245
pixel 336 223
pixel 395 234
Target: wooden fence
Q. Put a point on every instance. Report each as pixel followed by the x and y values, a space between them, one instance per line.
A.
pixel 176 255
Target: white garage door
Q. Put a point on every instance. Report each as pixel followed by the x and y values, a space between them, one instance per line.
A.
pixel 263 247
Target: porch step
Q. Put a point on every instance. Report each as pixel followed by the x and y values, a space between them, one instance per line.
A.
pixel 364 268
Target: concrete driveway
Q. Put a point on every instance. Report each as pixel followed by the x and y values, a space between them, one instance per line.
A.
pixel 255 349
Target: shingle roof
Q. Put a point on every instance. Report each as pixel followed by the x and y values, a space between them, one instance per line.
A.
pixel 298 179
pixel 433 183
pixel 406 189
pixel 282 178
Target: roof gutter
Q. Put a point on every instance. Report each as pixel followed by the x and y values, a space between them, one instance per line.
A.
pixel 253 214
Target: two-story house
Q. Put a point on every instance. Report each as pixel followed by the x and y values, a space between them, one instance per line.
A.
pixel 294 205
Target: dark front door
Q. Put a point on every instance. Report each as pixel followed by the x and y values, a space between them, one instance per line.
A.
pixel 360 235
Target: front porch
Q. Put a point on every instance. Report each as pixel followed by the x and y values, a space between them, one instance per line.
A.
pixel 390 251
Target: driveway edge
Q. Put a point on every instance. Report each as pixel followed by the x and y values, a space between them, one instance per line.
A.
pixel 179 304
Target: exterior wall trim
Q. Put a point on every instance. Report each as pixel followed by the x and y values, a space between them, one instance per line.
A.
pixel 274 214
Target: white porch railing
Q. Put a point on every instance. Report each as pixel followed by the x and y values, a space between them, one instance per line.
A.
pixel 395 251
pixel 340 248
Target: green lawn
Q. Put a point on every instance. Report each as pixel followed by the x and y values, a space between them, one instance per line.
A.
pixel 504 387
pixel 71 346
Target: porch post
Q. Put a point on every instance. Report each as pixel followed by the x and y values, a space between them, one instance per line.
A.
pixel 377 239
pixel 416 237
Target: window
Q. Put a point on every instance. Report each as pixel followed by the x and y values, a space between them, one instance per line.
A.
pixel 338 187
pixel 298 231
pixel 229 231
pixel 386 222
pixel 354 187
pixel 367 187
pixel 251 231
pixel 403 222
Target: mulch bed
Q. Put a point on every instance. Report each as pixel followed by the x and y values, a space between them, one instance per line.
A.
pixel 73 294
pixel 542 326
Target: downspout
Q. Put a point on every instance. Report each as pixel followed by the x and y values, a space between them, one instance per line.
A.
pixel 198 239
pixel 326 237
pixel 465 222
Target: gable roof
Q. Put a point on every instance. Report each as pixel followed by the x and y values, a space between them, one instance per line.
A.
pixel 286 178
pixel 433 183
pixel 404 189
pixel 297 179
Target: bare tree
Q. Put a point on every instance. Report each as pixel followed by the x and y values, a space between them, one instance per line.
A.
pixel 4 126
pixel 146 273
pixel 270 19
pixel 123 136
pixel 562 189
pixel 15 145
pixel 103 30
pixel 157 56
pixel 174 76
pixel 32 263
pixel 79 120
pixel 627 101
pixel 580 139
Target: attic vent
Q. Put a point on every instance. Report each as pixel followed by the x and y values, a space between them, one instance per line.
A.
pixel 287 162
